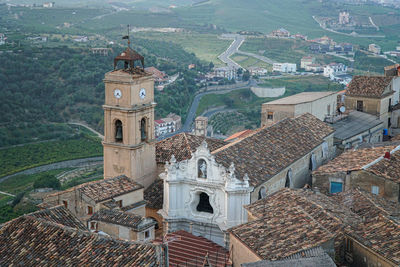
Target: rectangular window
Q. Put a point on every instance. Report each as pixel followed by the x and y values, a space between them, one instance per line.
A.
pixel 93 226
pixel 375 190
pixel 65 203
pixel 89 210
pixel 360 105
pixel 270 115
pixel 147 234
pixel 119 203
pixel 336 187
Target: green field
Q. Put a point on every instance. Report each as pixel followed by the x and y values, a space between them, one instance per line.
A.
pixel 20 158
pixel 206 47
pixel 247 61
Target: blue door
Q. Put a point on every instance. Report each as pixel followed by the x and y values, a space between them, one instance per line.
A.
pixel 336 187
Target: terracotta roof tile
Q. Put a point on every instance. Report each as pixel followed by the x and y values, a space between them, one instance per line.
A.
pixel 185 249
pixel 388 168
pixel 238 135
pixel 29 241
pixel 182 146
pixel 105 189
pixel 268 150
pixel 352 160
pixel 154 195
pixel 382 235
pixel 120 218
pixel 61 215
pixel 369 86
pixel 283 231
pixel 365 204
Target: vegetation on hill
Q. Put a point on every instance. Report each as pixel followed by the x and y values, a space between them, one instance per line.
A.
pixel 20 158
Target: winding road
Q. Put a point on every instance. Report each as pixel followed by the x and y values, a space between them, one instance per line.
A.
pixel 187 127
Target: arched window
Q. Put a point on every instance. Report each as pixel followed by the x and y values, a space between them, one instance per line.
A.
pixel 288 182
pixel 204 203
pixel 118 131
pixel 202 169
pixel 262 193
pixel 143 130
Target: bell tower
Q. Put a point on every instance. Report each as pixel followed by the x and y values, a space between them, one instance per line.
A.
pixel 129 141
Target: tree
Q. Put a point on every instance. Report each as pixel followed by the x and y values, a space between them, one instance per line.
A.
pixel 211 65
pixel 246 75
pixel 47 181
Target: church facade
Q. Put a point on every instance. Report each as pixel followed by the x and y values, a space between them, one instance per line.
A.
pixel 203 197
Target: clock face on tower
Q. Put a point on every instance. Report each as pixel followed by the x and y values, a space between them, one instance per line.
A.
pixel 117 93
pixel 142 93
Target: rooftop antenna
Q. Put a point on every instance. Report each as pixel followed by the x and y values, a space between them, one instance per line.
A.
pixel 127 37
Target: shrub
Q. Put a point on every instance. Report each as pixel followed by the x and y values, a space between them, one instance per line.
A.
pixel 47 181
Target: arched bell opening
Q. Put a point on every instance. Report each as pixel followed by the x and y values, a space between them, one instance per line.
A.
pixel 143 129
pixel 204 204
pixel 118 131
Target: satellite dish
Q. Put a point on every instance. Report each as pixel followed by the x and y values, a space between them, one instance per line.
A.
pixel 342 109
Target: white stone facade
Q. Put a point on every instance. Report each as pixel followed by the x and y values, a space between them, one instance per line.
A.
pixel 186 182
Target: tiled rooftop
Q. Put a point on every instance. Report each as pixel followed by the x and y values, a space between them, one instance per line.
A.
pixel 182 146
pixel 185 249
pixel 60 215
pixel 105 189
pixel 269 150
pixel 306 258
pixel 29 241
pixel 118 217
pixel 282 232
pixel 367 205
pixel 382 235
pixel 370 219
pixel 388 168
pixel 368 86
pixel 154 195
pixel 352 160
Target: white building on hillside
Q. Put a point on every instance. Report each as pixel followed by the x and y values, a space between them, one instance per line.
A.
pixel 334 69
pixel 284 67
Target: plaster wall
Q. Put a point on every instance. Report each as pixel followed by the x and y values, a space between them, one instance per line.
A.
pixel 240 252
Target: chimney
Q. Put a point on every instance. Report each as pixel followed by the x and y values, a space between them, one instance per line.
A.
pixel 387 155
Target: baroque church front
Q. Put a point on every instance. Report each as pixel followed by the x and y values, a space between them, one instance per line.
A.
pixel 203 197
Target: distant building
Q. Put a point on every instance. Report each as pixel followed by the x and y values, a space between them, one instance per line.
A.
pixel 306 61
pixel 344 18
pixel 257 71
pixel 101 51
pixel 284 67
pixel 170 124
pixel 191 66
pixel 319 104
pixel 49 4
pixel 2 38
pixel 280 33
pixel 374 48
pixel 81 39
pixel 159 76
pixel 300 36
pixel 225 72
pixel 314 68
pixel 334 69
pixel 38 39
pixel 200 128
